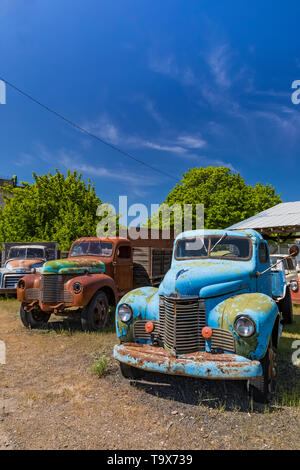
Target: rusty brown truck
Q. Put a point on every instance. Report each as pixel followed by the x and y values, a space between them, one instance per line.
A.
pixel 94 276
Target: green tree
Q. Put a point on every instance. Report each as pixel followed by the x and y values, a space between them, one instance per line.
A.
pixel 54 208
pixel 227 199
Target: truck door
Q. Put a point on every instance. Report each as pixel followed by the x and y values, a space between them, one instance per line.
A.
pixel 264 282
pixel 123 269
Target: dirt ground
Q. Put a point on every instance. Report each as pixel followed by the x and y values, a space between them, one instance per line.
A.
pixel 50 399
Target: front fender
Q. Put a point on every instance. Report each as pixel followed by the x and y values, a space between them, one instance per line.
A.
pixel 261 308
pixel 144 303
pixel 91 283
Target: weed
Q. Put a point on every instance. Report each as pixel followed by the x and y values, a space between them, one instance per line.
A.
pixel 100 366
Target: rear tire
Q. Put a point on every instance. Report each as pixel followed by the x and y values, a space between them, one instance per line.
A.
pixel 286 307
pixel 131 373
pixel 34 318
pixel 95 315
pixel 262 388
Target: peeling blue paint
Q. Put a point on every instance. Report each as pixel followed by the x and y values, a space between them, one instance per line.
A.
pixel 229 288
pixel 235 368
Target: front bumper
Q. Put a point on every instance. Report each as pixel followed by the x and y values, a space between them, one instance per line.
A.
pixel 200 364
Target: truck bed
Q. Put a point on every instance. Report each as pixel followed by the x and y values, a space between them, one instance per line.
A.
pixel 150 265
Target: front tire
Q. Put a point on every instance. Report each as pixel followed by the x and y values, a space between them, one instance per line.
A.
pixel 34 318
pixel 262 388
pixel 95 315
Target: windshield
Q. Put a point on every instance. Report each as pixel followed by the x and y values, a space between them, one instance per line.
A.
pixel 213 247
pixel 93 248
pixel 26 253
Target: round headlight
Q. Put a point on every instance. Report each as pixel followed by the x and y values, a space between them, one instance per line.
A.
pixel 244 326
pixel 125 313
pixel 77 287
pixel 21 284
pixel 294 286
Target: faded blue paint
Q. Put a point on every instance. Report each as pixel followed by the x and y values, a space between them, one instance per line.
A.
pixel 235 368
pixel 228 287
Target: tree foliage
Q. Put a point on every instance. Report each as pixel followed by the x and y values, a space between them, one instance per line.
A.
pixel 226 197
pixel 54 208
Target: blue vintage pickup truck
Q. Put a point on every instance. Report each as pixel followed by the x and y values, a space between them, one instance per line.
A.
pixel 217 314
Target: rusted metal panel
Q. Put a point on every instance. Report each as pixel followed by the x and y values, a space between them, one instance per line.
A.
pixel 206 293
pixel 199 364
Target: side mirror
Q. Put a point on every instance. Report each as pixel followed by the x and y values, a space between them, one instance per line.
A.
pixel 294 251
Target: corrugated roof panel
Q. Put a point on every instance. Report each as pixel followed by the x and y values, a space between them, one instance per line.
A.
pixel 285 214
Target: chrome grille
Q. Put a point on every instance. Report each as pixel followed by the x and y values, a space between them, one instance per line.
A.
pixel 139 330
pixel 51 289
pixel 222 339
pixel 11 280
pixel 180 324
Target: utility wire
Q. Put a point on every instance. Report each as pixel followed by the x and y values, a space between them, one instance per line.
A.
pixel 85 131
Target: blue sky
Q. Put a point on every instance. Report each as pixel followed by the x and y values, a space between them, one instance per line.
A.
pixel 178 84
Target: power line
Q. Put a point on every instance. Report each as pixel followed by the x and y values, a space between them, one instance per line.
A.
pixel 85 131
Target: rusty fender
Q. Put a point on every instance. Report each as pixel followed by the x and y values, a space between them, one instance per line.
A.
pixel 200 364
pixel 91 283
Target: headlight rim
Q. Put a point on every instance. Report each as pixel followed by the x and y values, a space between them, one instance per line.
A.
pixel 294 282
pixel 21 284
pixel 238 317
pixel 79 290
pixel 130 310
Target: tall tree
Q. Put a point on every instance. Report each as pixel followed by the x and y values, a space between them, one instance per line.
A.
pixel 55 207
pixel 227 199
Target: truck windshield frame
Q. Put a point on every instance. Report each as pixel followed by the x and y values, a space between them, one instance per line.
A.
pixel 92 248
pixel 243 245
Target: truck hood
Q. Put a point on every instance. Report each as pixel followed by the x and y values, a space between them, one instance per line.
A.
pixel 23 264
pixel 74 265
pixel 206 278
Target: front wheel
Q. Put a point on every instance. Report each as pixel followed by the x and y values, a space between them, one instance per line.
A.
pixel 262 388
pixel 33 318
pixel 95 315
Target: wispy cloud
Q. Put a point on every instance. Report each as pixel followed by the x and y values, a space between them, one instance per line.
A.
pixel 173 143
pixel 167 65
pixel 65 159
pixel 24 159
pixel 218 60
pixel 152 110
pixel 192 141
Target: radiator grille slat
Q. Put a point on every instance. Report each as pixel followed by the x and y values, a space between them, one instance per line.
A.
pixel 180 324
pixel 11 280
pixel 222 339
pixel 139 330
pixel 52 289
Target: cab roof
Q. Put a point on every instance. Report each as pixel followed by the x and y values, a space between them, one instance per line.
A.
pixel 102 239
pixel 249 233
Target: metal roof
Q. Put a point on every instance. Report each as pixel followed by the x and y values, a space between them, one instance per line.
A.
pixel 283 218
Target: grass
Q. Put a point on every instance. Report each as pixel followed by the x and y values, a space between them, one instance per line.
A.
pixel 288 374
pixel 100 367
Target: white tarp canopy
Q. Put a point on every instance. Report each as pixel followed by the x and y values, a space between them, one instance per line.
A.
pixel 283 218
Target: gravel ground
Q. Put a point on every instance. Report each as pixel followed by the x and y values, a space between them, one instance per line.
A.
pixel 50 399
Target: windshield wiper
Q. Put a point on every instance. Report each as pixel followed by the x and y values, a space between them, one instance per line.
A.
pixel 219 241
